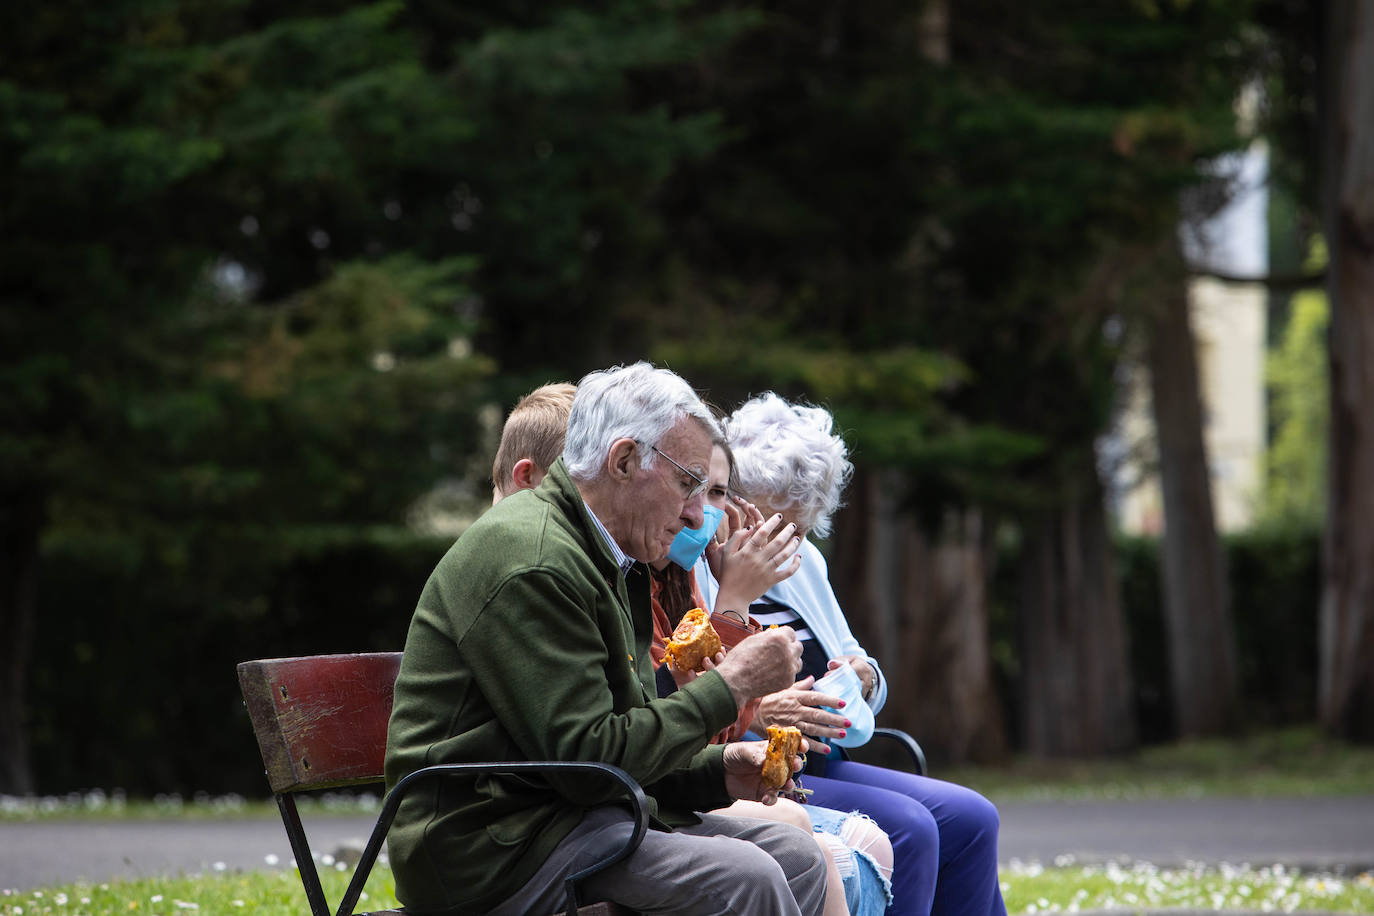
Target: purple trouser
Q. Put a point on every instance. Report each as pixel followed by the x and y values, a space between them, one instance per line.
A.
pixel 944 836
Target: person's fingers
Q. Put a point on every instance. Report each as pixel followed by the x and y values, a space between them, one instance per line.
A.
pixel 713 552
pixel 785 542
pixel 788 569
pixel 751 511
pixel 826 723
pixel 736 517
pixel 821 731
pixel 751 535
pixel 820 715
pixel 765 528
pixel 778 553
pixel 780 541
pixel 812 698
pixel 785 533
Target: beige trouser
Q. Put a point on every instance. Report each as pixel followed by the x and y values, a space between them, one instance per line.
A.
pixel 724 865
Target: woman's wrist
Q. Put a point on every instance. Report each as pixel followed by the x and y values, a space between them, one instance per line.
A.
pixel 728 601
pixel 741 617
pixel 868 676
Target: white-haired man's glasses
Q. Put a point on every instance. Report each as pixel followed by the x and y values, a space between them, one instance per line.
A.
pixel 691 490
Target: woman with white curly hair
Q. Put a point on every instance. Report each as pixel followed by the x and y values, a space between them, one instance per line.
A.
pixel 944 836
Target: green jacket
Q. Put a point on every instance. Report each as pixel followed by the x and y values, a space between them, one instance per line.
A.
pixel 524 646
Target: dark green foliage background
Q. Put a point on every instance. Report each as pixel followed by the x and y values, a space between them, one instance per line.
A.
pixel 137 689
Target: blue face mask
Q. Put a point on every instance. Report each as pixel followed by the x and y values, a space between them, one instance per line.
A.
pixel 844 683
pixel 690 542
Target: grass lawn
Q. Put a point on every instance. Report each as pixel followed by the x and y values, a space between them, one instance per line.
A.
pixel 1027 890
pixel 264 893
pixel 1032 889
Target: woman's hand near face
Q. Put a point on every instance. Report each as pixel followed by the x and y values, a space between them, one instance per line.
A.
pixel 740 515
pixel 753 560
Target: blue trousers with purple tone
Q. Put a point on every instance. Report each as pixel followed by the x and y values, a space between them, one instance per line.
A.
pixel 944 836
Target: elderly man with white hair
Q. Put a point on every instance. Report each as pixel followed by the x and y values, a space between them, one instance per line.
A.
pixel 529 643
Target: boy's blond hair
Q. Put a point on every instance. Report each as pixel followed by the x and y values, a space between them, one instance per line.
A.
pixel 535 429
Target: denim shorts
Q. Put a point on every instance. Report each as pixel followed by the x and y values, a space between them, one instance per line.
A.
pixel 867 892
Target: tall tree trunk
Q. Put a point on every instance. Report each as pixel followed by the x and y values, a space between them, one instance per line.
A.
pixel 1201 640
pixel 1075 671
pixel 1346 636
pixel 924 601
pixel 920 606
pixel 21 522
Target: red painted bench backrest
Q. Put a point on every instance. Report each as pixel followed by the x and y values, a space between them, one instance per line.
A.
pixel 321 720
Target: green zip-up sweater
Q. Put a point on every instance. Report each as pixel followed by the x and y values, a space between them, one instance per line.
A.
pixel 524 646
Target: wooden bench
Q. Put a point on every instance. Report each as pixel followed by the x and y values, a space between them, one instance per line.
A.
pixel 321 723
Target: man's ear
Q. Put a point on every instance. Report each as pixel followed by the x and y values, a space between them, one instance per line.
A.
pixel 623 459
pixel 526 474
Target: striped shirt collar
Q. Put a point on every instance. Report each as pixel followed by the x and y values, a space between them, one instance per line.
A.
pixel 621 559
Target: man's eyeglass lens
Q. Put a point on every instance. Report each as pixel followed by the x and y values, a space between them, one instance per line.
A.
pixel 697 487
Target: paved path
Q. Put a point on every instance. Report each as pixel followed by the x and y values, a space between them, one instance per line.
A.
pixel 1309 833
pixel 52 852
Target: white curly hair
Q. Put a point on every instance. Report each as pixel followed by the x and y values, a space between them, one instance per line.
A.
pixel 787 458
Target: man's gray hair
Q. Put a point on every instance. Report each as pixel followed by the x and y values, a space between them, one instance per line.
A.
pixel 787 458
pixel 639 402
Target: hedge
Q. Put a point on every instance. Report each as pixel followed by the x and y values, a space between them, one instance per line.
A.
pixel 1275 585
pixel 134 684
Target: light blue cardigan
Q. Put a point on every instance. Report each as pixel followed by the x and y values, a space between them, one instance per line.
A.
pixel 808 592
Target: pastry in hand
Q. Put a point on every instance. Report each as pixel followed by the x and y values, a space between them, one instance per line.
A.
pixel 783 744
pixel 694 641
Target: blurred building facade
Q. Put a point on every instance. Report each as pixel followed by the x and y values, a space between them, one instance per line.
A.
pixel 1229 323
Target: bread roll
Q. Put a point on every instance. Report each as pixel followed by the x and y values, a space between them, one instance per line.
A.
pixel 783 744
pixel 693 641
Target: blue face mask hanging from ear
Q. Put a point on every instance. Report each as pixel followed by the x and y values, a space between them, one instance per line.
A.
pixel 691 542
